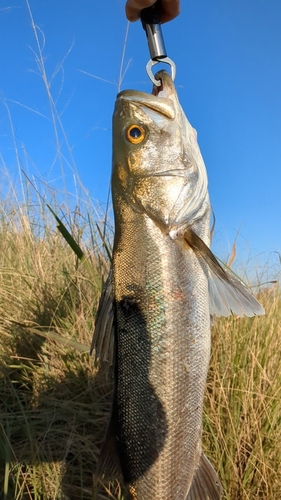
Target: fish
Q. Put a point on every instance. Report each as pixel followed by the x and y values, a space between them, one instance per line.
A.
pixel 165 285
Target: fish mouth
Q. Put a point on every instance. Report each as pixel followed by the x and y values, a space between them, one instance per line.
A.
pixel 161 99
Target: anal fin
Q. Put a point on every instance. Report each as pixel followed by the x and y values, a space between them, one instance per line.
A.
pixel 206 484
pixel 109 462
pixel 108 467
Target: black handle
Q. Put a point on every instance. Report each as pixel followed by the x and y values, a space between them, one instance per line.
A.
pixel 151 15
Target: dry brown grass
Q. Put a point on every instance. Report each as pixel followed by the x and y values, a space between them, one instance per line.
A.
pixel 243 406
pixel 52 406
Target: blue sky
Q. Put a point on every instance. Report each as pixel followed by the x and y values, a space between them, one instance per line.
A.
pixel 228 57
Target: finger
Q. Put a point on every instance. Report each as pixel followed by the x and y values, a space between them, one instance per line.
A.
pixel 170 10
pixel 134 7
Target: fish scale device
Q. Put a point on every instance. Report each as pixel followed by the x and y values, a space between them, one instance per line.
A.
pixel 150 18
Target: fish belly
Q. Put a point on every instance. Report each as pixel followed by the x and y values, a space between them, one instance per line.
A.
pixel 163 348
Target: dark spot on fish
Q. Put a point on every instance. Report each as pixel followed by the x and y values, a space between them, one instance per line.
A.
pixel 141 424
pixel 128 305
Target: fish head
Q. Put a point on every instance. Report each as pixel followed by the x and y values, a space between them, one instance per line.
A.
pixel 157 164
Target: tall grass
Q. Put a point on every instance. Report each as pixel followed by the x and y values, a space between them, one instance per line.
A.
pixel 52 409
pixel 242 421
pixel 54 406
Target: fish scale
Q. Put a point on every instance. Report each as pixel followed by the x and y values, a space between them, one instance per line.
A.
pixel 164 286
pixel 178 388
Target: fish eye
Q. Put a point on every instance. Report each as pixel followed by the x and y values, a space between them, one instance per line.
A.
pixel 135 134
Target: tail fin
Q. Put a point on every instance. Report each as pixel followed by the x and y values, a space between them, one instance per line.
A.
pixel 206 484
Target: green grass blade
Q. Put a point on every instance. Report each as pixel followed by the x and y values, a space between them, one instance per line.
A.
pixel 107 249
pixel 77 250
pixel 73 344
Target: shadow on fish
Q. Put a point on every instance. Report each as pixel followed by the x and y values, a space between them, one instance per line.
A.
pixel 165 285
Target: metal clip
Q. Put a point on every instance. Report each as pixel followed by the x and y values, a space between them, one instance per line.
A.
pixel 151 24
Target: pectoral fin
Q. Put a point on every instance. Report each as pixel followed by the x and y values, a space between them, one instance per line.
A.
pixel 206 484
pixel 103 342
pixel 227 294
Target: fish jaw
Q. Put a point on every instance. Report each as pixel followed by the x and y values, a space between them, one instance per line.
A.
pixel 164 176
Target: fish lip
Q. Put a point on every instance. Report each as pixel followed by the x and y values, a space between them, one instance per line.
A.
pixel 159 100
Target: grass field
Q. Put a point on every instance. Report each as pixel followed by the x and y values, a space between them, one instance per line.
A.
pixel 54 405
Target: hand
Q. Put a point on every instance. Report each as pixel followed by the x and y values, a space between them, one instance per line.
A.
pixel 170 9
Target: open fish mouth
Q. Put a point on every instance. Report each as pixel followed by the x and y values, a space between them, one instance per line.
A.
pixel 167 87
pixel 161 99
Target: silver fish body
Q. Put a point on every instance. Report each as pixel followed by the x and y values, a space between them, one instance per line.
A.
pixel 165 285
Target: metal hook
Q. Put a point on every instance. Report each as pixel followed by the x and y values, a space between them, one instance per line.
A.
pixel 151 63
pixel 151 23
